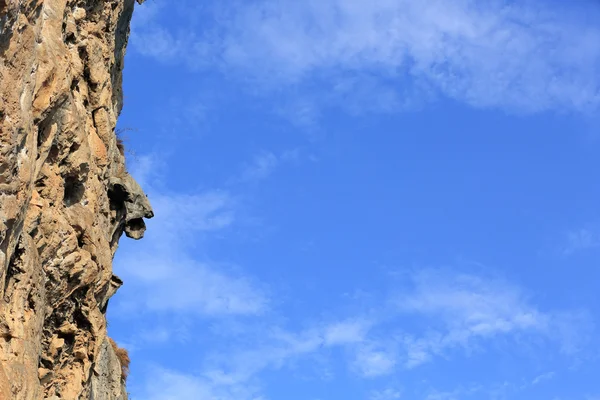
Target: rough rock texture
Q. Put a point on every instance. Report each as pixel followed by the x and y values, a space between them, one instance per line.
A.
pixel 65 196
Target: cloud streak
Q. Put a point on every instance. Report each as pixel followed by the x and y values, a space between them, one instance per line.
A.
pixel 168 272
pixel 581 240
pixel 464 310
pixel 460 311
pixel 520 56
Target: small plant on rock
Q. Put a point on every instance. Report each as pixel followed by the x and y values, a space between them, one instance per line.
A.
pixel 123 357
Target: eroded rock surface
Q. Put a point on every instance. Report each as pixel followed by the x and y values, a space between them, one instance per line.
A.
pixel 65 196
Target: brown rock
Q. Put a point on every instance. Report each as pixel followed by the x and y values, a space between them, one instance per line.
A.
pixel 65 196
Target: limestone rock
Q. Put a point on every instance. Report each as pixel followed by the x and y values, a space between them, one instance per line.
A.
pixel 65 196
pixel 106 381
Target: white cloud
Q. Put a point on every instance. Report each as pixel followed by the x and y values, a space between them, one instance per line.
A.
pixel 459 393
pixel 168 276
pixel 171 385
pixel 543 378
pixel 460 310
pixel 442 396
pixel 144 169
pixel 346 332
pixel 573 330
pixel 165 281
pixel 276 348
pixel 264 163
pixel 147 14
pixel 234 372
pixel 157 41
pixel 478 306
pixel 261 167
pixel 520 56
pixel 167 271
pixel 372 361
pixel 386 394
pixel 581 239
pixel 184 215
pixel 463 311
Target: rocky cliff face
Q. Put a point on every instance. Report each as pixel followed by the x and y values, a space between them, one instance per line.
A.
pixel 65 196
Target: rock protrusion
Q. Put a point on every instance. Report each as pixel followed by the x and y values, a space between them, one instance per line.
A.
pixel 129 201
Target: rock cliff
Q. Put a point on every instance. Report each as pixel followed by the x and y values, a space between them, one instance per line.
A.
pixel 65 196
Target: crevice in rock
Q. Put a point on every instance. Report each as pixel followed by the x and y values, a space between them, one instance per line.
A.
pixel 117 196
pixel 81 320
pixel 8 227
pixel 31 301
pixel 45 132
pixel 14 269
pixel 74 190
pixel 80 238
pixel 75 85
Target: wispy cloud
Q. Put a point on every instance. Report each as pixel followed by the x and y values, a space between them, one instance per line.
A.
pixel 386 394
pixel 456 394
pixel 264 164
pixel 519 56
pixel 168 271
pixel 463 310
pixel 346 332
pixel 460 310
pixel 373 360
pixel 261 167
pixel 468 302
pixel 501 389
pixel 232 374
pixel 424 315
pixel 168 282
pixel 171 385
pixel 581 239
pixel 277 347
pixel 543 378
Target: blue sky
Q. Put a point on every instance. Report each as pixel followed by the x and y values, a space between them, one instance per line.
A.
pixel 370 200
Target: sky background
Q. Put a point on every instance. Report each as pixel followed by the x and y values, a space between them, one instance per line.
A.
pixel 363 200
